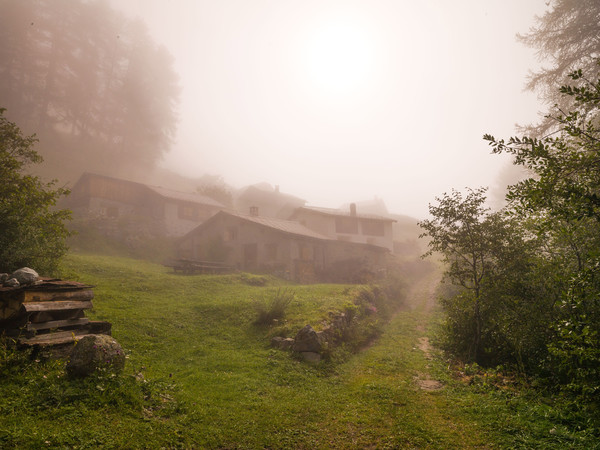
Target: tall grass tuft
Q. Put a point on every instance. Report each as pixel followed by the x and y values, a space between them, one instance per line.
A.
pixel 273 309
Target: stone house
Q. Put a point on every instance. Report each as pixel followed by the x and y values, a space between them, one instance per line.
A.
pixel 348 225
pixel 116 204
pixel 286 248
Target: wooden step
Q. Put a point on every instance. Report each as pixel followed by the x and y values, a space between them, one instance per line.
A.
pixel 60 305
pixel 60 337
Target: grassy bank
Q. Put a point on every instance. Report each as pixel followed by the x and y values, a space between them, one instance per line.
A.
pixel 201 374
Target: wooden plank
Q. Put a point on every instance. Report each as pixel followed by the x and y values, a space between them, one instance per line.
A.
pixel 61 337
pixel 57 324
pixel 56 306
pixel 57 294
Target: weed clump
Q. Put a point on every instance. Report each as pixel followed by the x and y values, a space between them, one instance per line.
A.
pixel 274 309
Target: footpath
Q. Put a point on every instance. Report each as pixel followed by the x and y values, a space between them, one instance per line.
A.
pixel 408 387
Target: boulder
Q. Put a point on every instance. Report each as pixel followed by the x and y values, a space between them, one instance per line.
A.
pixel 307 340
pixel 95 352
pixel 25 276
pixel 282 343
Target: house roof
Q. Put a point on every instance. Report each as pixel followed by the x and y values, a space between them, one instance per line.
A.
pixel 285 226
pixel 185 196
pixel 341 213
pixel 163 192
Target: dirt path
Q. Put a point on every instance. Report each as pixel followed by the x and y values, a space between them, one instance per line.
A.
pixel 421 298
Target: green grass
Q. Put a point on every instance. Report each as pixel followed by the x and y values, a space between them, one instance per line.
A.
pixel 201 374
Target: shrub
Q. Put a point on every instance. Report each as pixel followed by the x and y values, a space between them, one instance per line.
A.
pixel 33 231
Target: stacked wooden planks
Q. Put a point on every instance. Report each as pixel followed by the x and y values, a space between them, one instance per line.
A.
pixel 49 312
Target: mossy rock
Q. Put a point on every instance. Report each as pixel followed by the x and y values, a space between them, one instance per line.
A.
pixel 96 352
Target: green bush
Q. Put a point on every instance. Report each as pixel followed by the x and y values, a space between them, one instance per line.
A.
pixel 33 231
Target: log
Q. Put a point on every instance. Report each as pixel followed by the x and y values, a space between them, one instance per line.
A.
pixel 10 302
pixel 57 324
pixel 60 305
pixel 61 337
pixel 57 294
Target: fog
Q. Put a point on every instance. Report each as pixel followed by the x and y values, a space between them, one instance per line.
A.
pixel 342 101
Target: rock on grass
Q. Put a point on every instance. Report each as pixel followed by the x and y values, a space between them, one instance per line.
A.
pixel 93 353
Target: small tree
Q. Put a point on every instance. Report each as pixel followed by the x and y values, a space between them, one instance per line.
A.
pixel 32 233
pixel 459 231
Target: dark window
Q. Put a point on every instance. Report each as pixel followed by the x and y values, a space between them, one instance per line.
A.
pixel 346 225
pixel 230 234
pixel 373 227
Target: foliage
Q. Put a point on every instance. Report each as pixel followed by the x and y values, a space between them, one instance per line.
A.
pixel 91 83
pixel 529 275
pixel 33 232
pixel 133 238
pixel 218 191
pixel 350 270
pixel 566 38
pixel 562 200
pixel 275 308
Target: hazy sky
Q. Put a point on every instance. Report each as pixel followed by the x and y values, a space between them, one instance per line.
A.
pixel 341 101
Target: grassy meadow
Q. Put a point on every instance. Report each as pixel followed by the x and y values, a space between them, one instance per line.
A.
pixel 201 374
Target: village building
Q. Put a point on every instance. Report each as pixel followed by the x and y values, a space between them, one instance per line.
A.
pixel 115 203
pixel 256 243
pixel 347 225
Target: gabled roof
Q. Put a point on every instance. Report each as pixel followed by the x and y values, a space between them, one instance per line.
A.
pixel 341 213
pixel 162 192
pixel 185 196
pixel 281 225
